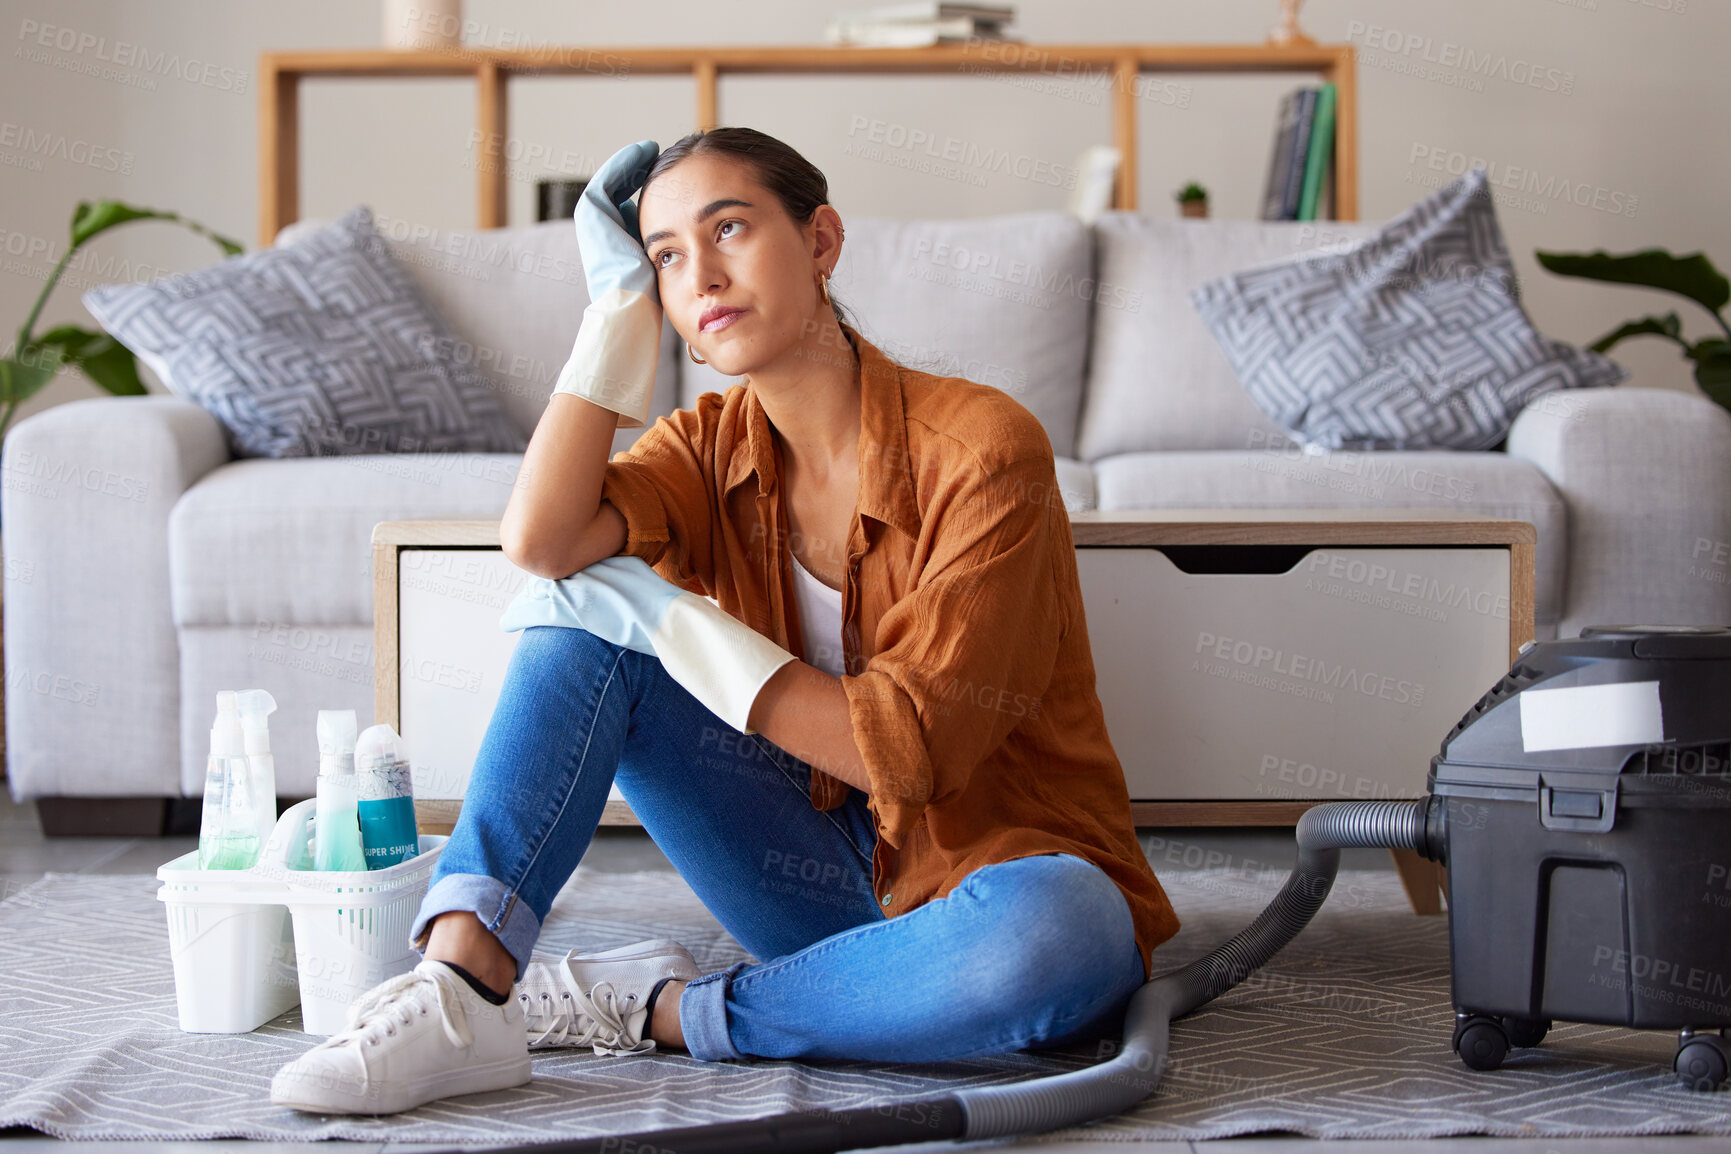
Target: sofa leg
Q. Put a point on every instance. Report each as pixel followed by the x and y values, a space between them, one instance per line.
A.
pixel 102 816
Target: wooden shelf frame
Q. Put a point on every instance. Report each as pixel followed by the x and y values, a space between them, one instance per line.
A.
pixel 281 74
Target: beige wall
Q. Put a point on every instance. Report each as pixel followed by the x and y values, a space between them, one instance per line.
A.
pixel 1626 112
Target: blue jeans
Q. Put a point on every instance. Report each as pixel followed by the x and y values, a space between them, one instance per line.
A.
pixel 1031 953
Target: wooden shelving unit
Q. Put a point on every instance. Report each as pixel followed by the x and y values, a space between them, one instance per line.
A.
pixel 281 74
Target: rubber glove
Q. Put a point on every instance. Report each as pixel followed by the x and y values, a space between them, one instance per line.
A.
pixel 722 661
pixel 613 360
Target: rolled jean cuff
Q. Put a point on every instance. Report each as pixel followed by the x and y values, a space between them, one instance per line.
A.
pixel 703 1016
pixel 508 919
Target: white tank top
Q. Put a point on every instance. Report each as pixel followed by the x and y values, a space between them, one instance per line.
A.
pixel 819 620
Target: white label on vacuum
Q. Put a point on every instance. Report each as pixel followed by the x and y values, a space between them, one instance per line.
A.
pixel 1586 716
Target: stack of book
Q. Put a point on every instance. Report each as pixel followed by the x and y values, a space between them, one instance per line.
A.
pixel 918 24
pixel 1301 169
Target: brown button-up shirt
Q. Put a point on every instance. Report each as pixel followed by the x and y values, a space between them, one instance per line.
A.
pixel 969 677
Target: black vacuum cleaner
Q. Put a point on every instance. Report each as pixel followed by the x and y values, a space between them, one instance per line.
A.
pixel 1583 809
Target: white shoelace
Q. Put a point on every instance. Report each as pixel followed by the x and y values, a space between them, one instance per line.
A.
pixel 605 1030
pixel 398 1000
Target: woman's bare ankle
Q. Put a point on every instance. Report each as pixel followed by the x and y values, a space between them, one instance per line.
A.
pixel 663 1025
pixel 459 937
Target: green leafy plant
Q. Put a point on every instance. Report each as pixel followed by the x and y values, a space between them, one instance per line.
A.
pixel 1692 276
pixel 36 359
pixel 1192 191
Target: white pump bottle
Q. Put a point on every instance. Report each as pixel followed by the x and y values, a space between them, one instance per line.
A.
pixel 337 836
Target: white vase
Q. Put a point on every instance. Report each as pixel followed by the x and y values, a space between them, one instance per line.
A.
pixel 412 25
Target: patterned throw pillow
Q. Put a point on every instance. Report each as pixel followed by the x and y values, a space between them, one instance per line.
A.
pixel 324 347
pixel 1413 339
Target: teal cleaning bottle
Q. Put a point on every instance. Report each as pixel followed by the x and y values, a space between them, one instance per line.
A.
pixel 229 823
pixel 386 794
pixel 337 832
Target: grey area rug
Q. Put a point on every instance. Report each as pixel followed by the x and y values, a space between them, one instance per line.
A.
pixel 1344 1035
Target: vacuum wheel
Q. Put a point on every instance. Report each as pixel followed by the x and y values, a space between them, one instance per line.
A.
pixel 1702 1061
pixel 1524 1032
pixel 1481 1041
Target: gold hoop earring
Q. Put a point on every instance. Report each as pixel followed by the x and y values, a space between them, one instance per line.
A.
pixel 823 286
pixel 692 353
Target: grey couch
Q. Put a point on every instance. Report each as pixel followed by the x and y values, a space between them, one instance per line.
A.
pixel 145 570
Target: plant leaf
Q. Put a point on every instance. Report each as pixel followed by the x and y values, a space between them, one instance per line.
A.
pixel 1665 326
pixel 114 368
pixel 92 217
pixel 20 381
pixel 1713 369
pixel 1692 276
pixel 104 360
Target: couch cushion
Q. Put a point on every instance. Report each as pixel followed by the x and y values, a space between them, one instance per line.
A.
pixel 514 297
pixel 1281 477
pixel 1002 300
pixel 1075 482
pixel 1413 340
pixel 1157 379
pixel 322 348
pixel 266 543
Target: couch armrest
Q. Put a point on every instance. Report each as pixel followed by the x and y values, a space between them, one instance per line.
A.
pixel 1645 475
pixel 92 659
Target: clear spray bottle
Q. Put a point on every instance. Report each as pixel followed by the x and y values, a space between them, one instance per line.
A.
pixel 337 836
pixel 256 706
pixel 229 824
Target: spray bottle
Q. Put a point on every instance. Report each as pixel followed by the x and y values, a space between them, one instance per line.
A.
pixel 337 839
pixel 386 795
pixel 228 828
pixel 256 706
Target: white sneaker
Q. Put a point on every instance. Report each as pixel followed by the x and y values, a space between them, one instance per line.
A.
pixel 419 1036
pixel 598 999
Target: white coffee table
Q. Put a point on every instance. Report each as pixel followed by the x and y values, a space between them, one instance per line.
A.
pixel 1249 663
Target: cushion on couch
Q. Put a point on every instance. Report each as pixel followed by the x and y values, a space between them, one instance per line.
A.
pixel 514 299
pixel 1002 300
pixel 325 348
pixel 1413 340
pixel 1157 379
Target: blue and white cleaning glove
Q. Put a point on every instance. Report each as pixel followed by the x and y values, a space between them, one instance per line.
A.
pixel 719 659
pixel 619 341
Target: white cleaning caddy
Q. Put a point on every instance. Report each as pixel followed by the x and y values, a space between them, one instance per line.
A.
pixel 248 944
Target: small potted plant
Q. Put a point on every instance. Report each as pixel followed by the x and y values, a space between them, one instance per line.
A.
pixel 1192 200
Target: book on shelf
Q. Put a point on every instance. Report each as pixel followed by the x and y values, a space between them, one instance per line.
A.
pixel 909 35
pixel 1280 158
pixel 917 10
pixel 1320 153
pixel 917 25
pixel 1300 172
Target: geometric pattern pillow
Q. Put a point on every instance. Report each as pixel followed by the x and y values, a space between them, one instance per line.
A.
pixel 320 348
pixel 1413 339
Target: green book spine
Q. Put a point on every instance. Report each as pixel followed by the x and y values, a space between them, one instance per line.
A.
pixel 1321 152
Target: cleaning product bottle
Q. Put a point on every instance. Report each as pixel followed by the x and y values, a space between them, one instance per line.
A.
pixel 337 837
pixel 228 827
pixel 256 706
pixel 386 793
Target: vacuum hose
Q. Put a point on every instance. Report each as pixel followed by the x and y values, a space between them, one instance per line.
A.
pixel 1100 1091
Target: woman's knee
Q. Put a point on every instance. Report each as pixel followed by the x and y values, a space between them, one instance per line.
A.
pixel 1067 921
pixel 566 642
